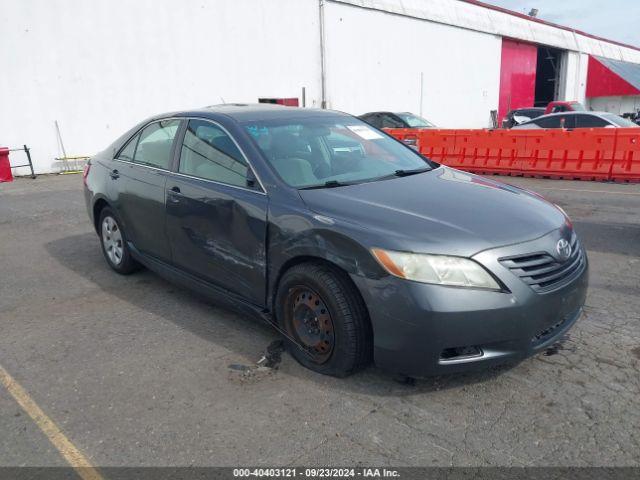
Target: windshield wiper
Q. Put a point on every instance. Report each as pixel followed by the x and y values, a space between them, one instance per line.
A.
pixel 406 173
pixel 329 184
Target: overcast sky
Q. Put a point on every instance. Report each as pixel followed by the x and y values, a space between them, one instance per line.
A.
pixel 614 19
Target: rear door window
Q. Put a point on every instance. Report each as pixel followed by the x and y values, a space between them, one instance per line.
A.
pixel 590 121
pixel 155 144
pixel 549 122
pixel 389 121
pixel 374 120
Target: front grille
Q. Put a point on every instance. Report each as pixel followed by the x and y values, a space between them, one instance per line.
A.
pixel 544 273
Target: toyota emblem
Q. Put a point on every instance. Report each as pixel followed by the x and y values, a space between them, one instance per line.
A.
pixel 563 247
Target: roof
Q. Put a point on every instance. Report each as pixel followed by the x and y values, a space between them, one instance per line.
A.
pixel 478 16
pixel 608 78
pixel 261 111
pixel 545 22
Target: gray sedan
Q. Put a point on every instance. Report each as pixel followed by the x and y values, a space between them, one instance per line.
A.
pixel 352 245
pixel 571 120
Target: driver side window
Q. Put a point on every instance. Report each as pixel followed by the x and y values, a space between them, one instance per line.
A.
pixel 209 153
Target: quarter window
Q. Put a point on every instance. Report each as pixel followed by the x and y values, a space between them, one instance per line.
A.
pixel 154 146
pixel 209 153
pixel 128 152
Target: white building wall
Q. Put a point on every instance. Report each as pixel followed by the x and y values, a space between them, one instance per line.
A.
pixel 617 105
pixel 375 60
pixel 100 66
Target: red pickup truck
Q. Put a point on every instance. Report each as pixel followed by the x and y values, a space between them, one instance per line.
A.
pixel 559 106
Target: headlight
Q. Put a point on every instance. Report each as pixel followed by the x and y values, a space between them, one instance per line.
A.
pixel 438 269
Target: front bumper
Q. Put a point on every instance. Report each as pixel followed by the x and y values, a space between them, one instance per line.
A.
pixel 415 324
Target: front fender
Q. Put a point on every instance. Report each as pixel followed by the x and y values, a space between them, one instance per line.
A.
pixel 293 238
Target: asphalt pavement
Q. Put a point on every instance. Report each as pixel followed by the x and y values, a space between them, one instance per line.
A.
pixel 135 371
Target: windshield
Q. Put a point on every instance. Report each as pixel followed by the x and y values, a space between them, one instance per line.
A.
pixel 415 121
pixel 331 150
pixel 619 121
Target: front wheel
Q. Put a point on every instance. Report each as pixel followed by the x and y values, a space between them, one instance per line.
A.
pixel 325 319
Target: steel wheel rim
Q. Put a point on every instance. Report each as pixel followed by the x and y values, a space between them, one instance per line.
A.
pixel 310 323
pixel 112 240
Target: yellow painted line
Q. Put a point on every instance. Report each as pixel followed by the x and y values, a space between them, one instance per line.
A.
pixel 68 450
pixel 587 191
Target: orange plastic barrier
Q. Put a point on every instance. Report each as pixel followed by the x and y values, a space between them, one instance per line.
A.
pixel 626 164
pixel 490 151
pixel 439 145
pixel 582 154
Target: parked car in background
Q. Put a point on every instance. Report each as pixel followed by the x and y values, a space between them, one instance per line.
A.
pixel 521 115
pixel 352 245
pixel 571 120
pixel 564 106
pixel 395 120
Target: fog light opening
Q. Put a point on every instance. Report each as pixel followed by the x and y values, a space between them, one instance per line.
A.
pixel 458 353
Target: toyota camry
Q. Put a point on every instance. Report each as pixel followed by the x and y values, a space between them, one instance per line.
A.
pixel 355 247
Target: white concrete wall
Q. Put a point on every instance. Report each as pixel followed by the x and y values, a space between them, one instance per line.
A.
pixel 100 66
pixel 374 60
pixel 617 105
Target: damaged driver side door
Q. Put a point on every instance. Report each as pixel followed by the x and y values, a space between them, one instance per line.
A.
pixel 217 212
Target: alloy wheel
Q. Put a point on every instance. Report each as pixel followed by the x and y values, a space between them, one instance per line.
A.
pixel 112 240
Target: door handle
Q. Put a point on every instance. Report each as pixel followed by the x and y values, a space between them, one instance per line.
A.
pixel 175 195
pixel 114 174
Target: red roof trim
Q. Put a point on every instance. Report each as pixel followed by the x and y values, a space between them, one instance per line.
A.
pixel 544 22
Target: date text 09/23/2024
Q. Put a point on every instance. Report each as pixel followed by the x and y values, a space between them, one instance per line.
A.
pixel 315 472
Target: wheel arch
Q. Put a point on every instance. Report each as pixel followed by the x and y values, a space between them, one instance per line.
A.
pixel 298 260
pixel 97 208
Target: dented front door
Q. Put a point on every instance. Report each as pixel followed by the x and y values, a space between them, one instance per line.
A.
pixel 217 232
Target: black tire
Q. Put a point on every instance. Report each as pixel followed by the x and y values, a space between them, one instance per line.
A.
pixel 126 264
pixel 351 339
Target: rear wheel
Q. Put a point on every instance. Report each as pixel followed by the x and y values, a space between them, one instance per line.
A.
pixel 324 316
pixel 114 244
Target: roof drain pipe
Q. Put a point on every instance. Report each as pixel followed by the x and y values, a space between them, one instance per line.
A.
pixel 323 77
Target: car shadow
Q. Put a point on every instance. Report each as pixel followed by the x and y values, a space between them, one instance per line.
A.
pixel 81 254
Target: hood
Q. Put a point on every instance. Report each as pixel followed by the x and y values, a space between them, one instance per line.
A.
pixel 443 211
